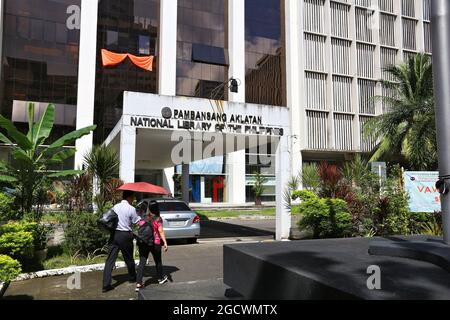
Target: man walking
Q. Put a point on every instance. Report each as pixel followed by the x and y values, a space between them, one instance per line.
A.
pixel 122 240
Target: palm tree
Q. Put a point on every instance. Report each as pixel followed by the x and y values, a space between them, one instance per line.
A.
pixel 103 163
pixel 29 169
pixel 407 132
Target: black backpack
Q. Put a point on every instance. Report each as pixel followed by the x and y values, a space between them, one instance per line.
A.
pixel 145 234
pixel 108 221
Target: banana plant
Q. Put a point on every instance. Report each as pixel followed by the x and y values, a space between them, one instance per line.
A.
pixel 30 166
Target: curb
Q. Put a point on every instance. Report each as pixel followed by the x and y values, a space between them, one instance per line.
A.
pixel 3 287
pixel 68 270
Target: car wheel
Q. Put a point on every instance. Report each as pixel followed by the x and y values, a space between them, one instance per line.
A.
pixel 192 240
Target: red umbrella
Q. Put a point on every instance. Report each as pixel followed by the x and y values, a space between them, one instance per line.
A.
pixel 144 187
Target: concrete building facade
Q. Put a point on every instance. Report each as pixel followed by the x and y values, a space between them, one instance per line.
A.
pixel 307 73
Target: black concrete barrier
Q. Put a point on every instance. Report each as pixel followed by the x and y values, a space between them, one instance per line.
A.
pixel 331 269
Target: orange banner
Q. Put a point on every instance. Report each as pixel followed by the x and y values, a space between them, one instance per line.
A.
pixel 112 59
pixel 145 63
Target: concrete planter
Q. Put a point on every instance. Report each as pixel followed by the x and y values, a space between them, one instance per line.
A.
pixel 3 287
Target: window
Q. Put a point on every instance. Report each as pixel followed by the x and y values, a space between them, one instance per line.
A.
pixel 208 54
pixel 201 48
pixel 61 33
pixel 130 26
pixel 409 34
pixel 366 96
pixel 317 123
pixel 112 38
pixel 339 19
pixel 314 15
pixel 387 30
pixel 367 142
pixel 343 131
pixel 37 29
pixel 366 60
pixel 172 206
pixel 342 94
pixel 144 45
pixel 264 52
pixel 316 90
pixel 40 57
pixel 314 52
pixel 341 56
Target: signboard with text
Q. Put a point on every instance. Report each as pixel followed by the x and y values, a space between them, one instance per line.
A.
pixel 423 195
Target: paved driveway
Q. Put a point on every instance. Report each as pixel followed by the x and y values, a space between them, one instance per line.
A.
pixel 184 263
pixel 198 266
pixel 237 228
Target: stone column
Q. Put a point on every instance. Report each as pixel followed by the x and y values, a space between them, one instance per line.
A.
pixel 86 76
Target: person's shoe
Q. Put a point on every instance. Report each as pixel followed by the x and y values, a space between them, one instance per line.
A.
pixel 108 288
pixel 132 280
pixel 163 280
pixel 139 287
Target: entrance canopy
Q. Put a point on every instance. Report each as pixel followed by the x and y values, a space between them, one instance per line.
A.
pixel 158 132
pixel 169 131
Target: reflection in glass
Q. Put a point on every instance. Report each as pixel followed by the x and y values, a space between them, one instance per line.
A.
pixel 124 27
pixel 264 54
pixel 201 48
pixel 40 61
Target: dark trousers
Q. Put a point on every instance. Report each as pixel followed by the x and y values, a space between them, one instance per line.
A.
pixel 122 241
pixel 144 251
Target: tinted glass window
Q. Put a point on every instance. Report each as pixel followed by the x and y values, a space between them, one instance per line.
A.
pixel 165 207
pixel 40 61
pixel 265 79
pixel 201 48
pixel 130 26
pixel 208 54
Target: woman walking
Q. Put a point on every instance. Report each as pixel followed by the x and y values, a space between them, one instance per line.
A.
pixel 152 223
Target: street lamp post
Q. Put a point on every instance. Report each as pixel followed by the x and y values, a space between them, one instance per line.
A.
pixel 440 23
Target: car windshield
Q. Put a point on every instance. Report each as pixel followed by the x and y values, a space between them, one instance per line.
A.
pixel 173 206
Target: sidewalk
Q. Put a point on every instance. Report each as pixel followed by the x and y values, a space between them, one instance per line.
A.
pixel 200 265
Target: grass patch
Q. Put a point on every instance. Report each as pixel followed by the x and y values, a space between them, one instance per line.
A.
pixel 206 214
pixel 65 260
pixel 58 257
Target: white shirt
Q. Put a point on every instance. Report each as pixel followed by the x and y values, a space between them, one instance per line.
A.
pixel 127 216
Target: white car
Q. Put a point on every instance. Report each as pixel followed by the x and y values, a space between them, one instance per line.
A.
pixel 179 221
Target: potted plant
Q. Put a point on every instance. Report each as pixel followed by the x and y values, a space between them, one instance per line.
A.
pixel 9 270
pixel 258 187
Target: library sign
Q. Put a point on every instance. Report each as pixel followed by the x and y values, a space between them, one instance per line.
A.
pixel 204 121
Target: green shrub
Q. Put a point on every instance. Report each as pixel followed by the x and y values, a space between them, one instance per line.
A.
pixel 392 214
pixel 433 227
pixel 7 211
pixel 17 244
pixel 326 218
pixel 9 268
pixel 17 227
pixel 40 232
pixel 304 195
pixel 82 234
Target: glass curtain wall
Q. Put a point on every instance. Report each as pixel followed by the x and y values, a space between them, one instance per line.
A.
pixel 40 61
pixel 265 59
pixel 130 26
pixel 202 56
